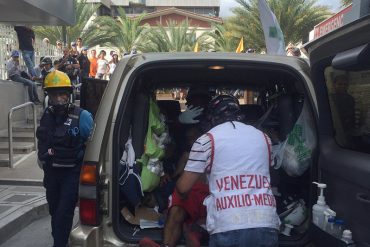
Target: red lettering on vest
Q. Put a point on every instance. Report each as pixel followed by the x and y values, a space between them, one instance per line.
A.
pixel 245 200
pixel 230 202
pixel 258 179
pixel 250 186
pixel 248 201
pixel 227 182
pixel 234 182
pixel 258 199
pixel 218 204
pixel 266 183
pixel 242 182
pixel 219 184
pixel 266 200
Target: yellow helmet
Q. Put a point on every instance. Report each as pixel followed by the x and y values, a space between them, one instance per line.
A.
pixel 57 79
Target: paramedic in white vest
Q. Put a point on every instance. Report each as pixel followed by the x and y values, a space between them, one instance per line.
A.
pixel 241 209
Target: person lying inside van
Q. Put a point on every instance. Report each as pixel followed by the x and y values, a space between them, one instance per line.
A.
pixel 185 213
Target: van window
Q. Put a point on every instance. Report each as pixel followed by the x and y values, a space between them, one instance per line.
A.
pixel 179 94
pixel 349 97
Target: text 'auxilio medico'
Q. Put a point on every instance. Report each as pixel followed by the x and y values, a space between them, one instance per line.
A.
pixel 243 182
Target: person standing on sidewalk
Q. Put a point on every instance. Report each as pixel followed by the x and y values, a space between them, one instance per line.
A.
pixel 102 66
pixel 93 63
pixel 79 46
pixel 69 65
pixel 15 74
pixel 64 129
pixel 242 212
pixel 84 64
pixel 26 39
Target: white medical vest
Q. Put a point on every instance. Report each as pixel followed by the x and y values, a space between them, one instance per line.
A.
pixel 239 180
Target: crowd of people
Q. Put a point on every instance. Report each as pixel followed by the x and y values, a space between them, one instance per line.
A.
pixel 76 62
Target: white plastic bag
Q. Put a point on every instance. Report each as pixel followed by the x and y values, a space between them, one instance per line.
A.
pixel 300 144
pixel 278 151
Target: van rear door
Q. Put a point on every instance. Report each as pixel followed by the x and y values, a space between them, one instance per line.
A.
pixel 340 67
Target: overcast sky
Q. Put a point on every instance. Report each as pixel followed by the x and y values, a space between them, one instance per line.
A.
pixel 226 5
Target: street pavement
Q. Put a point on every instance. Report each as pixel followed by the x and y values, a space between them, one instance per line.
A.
pixel 22 196
pixel 37 233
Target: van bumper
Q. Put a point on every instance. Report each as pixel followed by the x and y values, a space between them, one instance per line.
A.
pixel 86 236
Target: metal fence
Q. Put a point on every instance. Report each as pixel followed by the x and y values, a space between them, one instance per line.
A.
pixel 9 42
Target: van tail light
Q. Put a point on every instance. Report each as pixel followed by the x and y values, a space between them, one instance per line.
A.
pixel 88 212
pixel 89 195
pixel 88 174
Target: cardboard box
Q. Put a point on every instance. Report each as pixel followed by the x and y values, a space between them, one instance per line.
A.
pixel 141 212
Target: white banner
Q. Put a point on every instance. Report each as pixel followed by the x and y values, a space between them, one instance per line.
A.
pixel 274 37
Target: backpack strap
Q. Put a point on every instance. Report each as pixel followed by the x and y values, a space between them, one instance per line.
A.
pixel 268 143
pixel 209 166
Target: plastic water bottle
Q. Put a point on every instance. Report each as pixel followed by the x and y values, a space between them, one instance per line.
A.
pixel 328 214
pixel 329 228
pixel 338 228
pixel 347 238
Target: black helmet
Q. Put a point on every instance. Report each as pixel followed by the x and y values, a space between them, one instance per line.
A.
pixel 224 108
pixel 46 60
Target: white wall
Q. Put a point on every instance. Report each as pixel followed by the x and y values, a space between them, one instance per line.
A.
pixel 13 94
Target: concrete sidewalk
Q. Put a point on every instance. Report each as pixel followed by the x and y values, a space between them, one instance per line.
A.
pixel 22 196
pixel 25 172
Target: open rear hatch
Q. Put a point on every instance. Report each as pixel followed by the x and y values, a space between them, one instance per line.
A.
pixel 271 94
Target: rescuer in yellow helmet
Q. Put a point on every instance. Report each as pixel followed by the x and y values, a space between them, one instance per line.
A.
pixel 59 88
pixel 64 129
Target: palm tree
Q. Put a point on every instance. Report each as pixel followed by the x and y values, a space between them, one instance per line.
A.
pixel 346 2
pixel 296 18
pixel 218 39
pixel 90 35
pixel 173 37
pixel 124 32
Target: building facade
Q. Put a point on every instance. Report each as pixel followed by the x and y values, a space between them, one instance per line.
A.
pixel 134 7
pixel 200 14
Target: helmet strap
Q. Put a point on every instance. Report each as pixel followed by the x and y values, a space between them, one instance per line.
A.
pixel 232 123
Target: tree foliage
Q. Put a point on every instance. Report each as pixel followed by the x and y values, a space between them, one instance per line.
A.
pixel 123 32
pixel 218 39
pixel 296 18
pixel 171 38
pixel 89 34
pixel 346 2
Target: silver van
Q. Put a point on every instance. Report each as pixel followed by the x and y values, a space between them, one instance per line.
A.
pixel 283 87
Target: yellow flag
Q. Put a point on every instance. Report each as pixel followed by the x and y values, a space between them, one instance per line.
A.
pixel 240 46
pixel 196 47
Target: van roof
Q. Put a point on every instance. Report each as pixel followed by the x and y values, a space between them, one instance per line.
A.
pixel 297 63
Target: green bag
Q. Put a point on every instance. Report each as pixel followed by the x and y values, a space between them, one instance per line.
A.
pixel 151 147
pixel 150 180
pixel 154 119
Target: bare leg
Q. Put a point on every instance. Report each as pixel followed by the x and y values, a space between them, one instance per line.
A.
pixel 173 227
